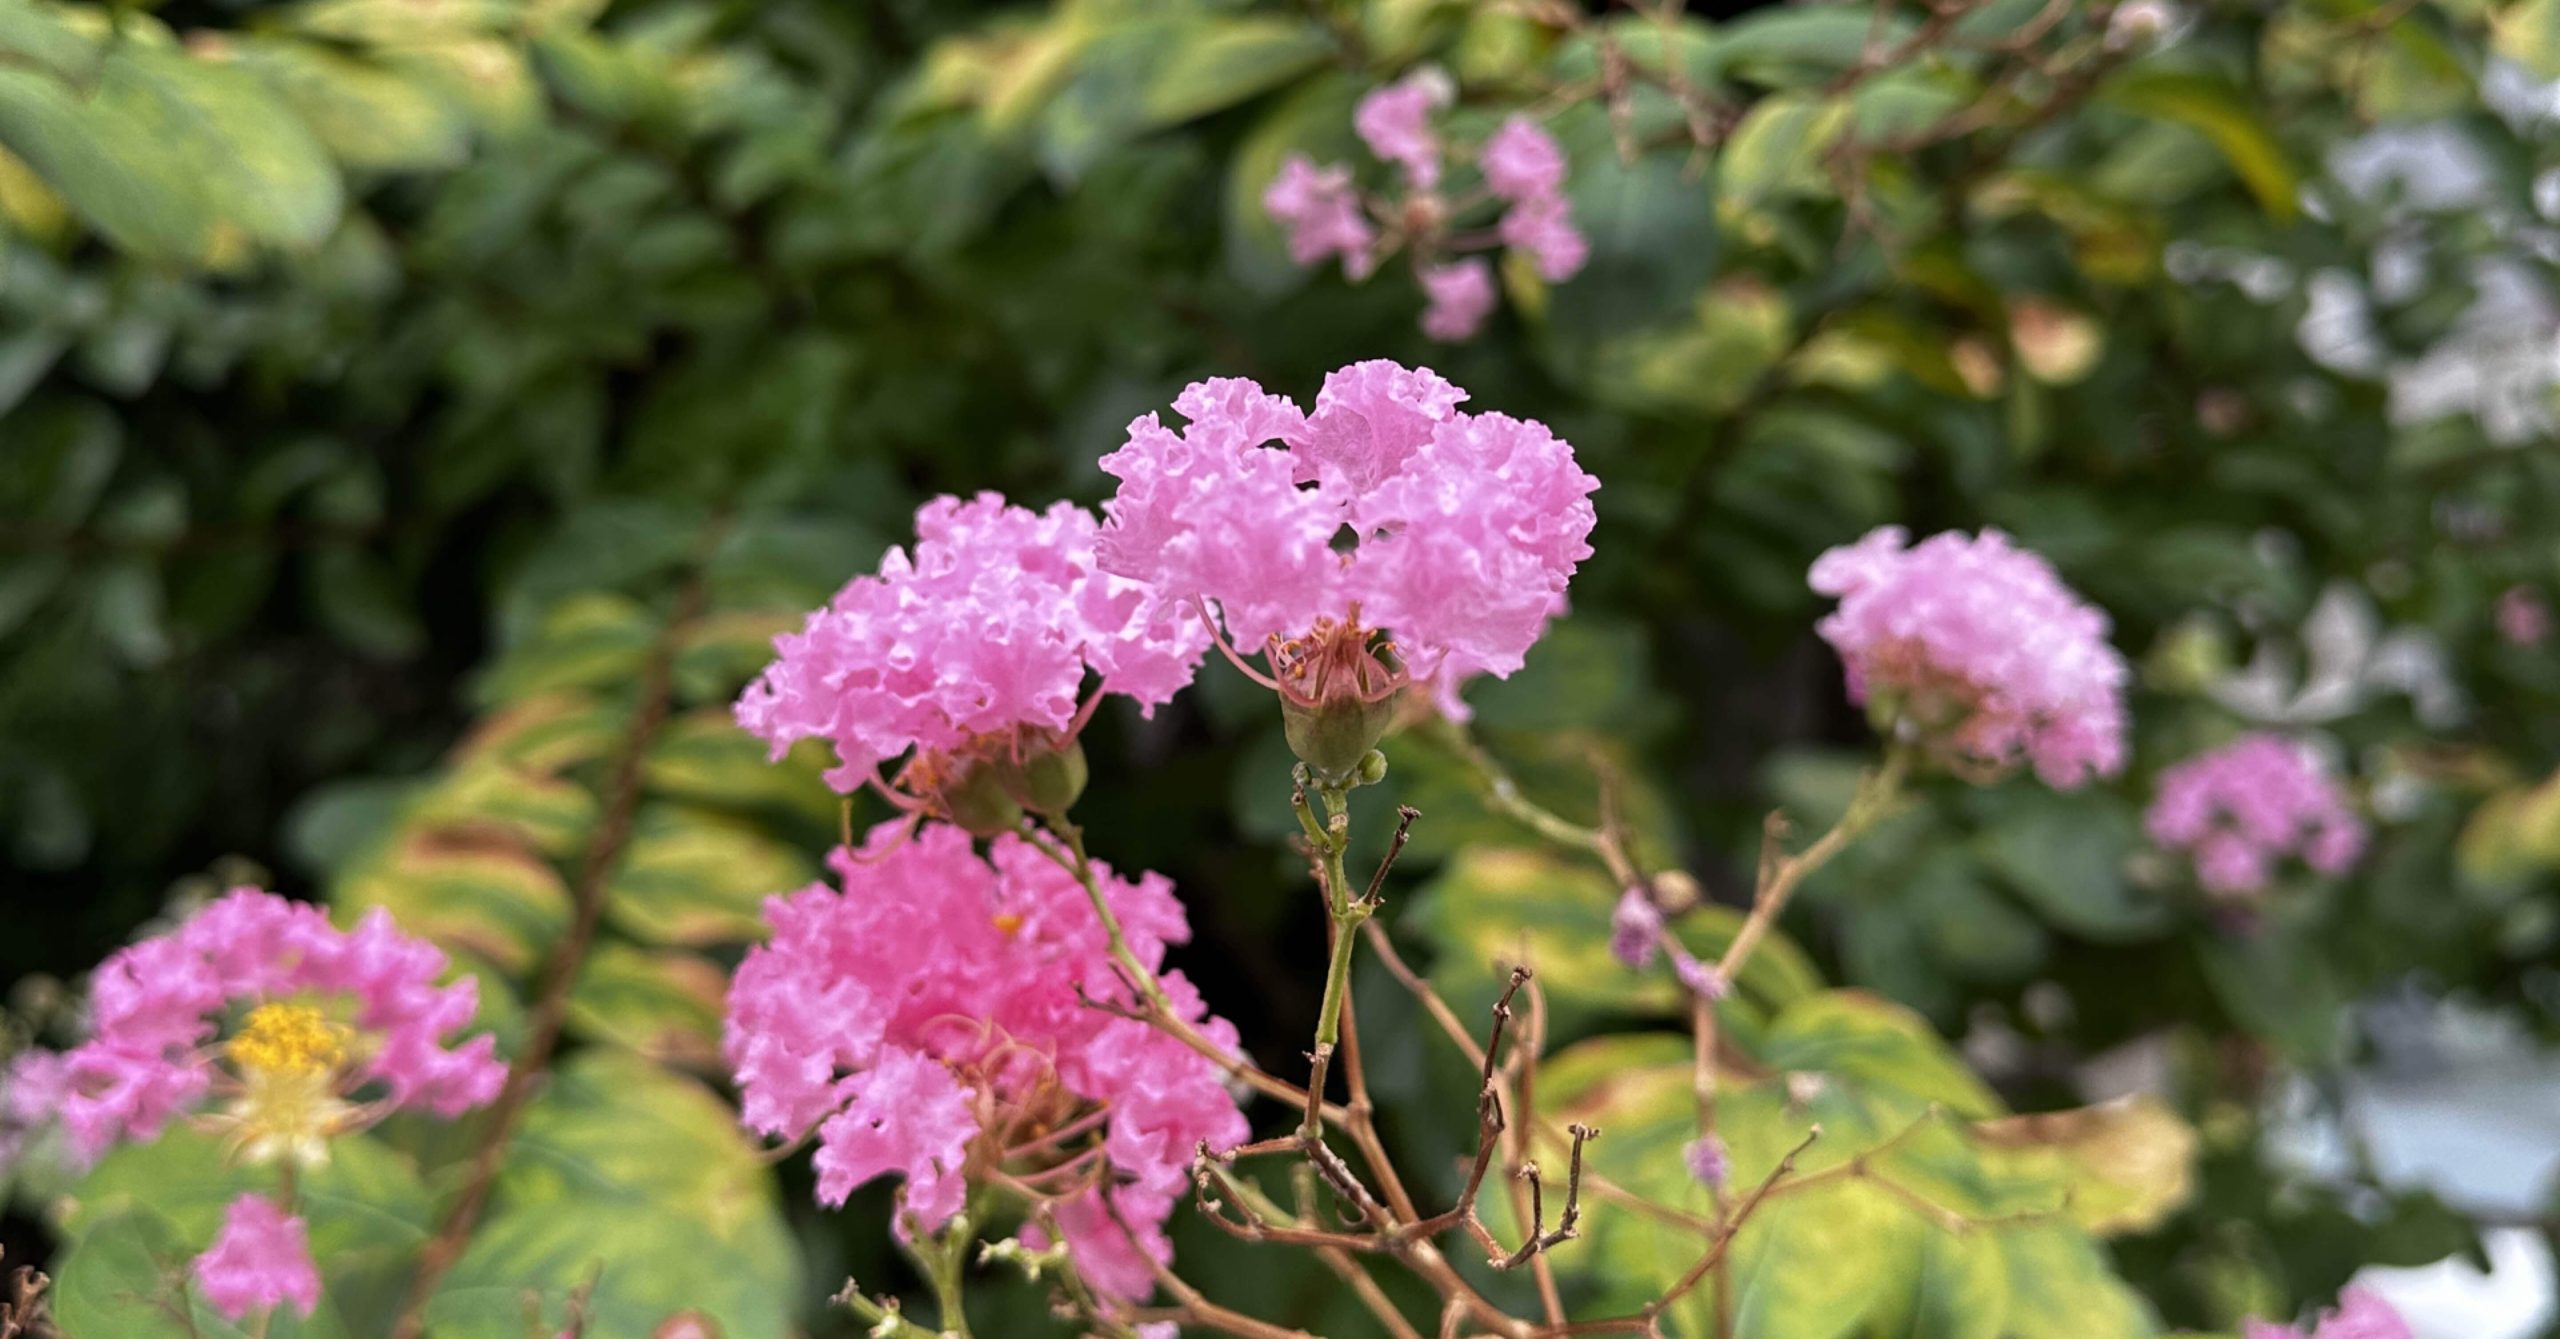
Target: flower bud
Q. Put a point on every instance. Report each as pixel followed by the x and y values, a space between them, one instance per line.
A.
pixel 1336 737
pixel 979 804
pixel 1049 777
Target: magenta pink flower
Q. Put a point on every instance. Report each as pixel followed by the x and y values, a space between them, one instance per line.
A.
pixel 932 1018
pixel 1320 211
pixel 328 1012
pixel 262 1259
pixel 2241 809
pixel 32 1085
pixel 2523 619
pixel 1981 649
pixel 1461 296
pixel 1395 122
pixel 1521 161
pixel 1710 1165
pixel 1635 929
pixel 1542 226
pixel 983 639
pixel 2361 1314
pixel 1468 525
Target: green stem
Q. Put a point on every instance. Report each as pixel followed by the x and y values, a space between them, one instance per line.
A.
pixel 1331 841
pixel 947 1266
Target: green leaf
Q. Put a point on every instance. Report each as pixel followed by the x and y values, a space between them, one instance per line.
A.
pixel 257 165
pixel 2220 111
pixel 109 162
pixel 366 115
pixel 695 876
pixel 594 640
pixel 1777 150
pixel 2067 858
pixel 1853 1035
pixel 1491 907
pixel 489 898
pixel 2528 33
pixel 31 34
pixel 639 1181
pixel 704 758
pixel 1220 62
pixel 477 799
pixel 666 1006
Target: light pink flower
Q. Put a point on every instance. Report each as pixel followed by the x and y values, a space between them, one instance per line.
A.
pixel 261 1259
pixel 2361 1314
pixel 1461 295
pixel 935 1011
pixel 2243 808
pixel 1521 161
pixel 1982 646
pixel 155 1010
pixel 1710 1165
pixel 1468 526
pixel 1542 226
pixel 2523 619
pixel 992 626
pixel 1635 929
pixel 1395 122
pixel 1319 210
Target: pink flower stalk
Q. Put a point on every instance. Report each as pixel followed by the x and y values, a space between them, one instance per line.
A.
pixel 1542 226
pixel 1320 211
pixel 1395 122
pixel 1468 528
pixel 1980 647
pixel 1522 162
pixel 2244 807
pixel 261 1260
pixel 329 1012
pixel 1461 296
pixel 2361 1314
pixel 931 1019
pixel 2523 619
pixel 977 647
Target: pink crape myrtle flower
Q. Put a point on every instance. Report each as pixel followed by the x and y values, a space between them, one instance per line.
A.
pixel 2523 619
pixel 261 1260
pixel 1461 295
pixel 1395 122
pixel 1976 644
pixel 1521 161
pixel 977 646
pixel 935 1016
pixel 2361 1314
pixel 1467 526
pixel 1320 212
pixel 327 1012
pixel 2243 808
pixel 1542 228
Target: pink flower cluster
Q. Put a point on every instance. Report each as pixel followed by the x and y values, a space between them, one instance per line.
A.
pixel 261 1259
pixel 933 1018
pixel 992 625
pixel 156 1006
pixel 1323 213
pixel 1468 525
pixel 31 1087
pixel 1981 647
pixel 2241 808
pixel 2360 1315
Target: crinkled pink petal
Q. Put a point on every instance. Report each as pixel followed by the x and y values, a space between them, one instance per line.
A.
pixel 1319 213
pixel 909 1116
pixel 2241 809
pixel 1395 122
pixel 154 1008
pixel 1991 623
pixel 1521 161
pixel 1461 296
pixel 1542 227
pixel 262 1259
pixel 993 623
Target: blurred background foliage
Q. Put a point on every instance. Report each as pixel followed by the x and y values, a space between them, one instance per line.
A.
pixel 415 415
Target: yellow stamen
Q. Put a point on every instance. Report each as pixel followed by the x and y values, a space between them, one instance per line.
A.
pixel 287 1039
